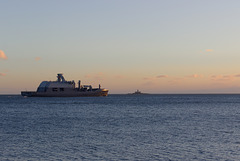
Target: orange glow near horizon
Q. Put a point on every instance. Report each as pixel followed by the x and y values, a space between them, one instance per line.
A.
pixel 155 47
pixel 128 83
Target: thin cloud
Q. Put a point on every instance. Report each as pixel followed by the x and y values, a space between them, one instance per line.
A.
pixel 155 77
pixel 3 55
pixel 227 76
pixel 209 50
pixel 162 76
pixel 237 75
pixel 223 77
pixel 194 76
pixel 147 78
pixel 37 58
pixel 2 74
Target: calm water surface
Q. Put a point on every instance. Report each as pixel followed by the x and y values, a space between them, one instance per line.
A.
pixel 121 127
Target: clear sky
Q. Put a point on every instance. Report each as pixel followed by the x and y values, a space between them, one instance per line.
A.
pixel 156 46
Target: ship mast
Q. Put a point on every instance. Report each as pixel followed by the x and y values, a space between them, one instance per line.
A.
pixel 60 78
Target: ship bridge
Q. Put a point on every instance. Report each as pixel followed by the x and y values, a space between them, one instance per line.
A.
pixel 61 84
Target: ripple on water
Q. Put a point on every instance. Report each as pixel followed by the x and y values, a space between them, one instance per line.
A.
pixel 121 127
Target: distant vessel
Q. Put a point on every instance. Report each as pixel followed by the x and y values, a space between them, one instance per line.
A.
pixel 137 92
pixel 63 88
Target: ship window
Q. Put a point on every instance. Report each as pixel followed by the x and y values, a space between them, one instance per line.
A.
pixel 54 89
pixel 61 89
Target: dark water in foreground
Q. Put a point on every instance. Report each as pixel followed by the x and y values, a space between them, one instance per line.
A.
pixel 121 127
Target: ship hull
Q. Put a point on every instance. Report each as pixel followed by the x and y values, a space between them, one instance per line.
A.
pixel 98 93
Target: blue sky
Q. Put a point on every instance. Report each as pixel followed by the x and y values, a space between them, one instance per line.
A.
pixel 124 45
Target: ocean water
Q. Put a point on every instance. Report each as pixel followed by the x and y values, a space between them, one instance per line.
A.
pixel 121 127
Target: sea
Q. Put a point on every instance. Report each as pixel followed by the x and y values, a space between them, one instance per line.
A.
pixel 164 127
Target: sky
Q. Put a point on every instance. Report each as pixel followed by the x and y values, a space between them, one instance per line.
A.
pixel 156 46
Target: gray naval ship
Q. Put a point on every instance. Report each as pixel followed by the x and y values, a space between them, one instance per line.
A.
pixel 63 88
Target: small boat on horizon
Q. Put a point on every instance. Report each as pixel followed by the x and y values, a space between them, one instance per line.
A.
pixel 137 92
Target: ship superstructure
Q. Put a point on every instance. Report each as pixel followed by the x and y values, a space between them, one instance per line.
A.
pixel 137 92
pixel 63 88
